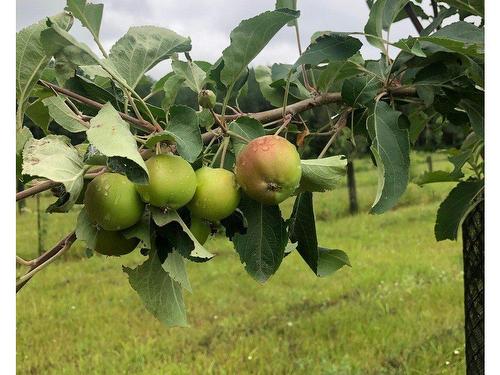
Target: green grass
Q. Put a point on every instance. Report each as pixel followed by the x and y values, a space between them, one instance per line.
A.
pixel 398 310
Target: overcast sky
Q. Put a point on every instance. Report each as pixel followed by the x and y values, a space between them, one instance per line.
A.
pixel 209 22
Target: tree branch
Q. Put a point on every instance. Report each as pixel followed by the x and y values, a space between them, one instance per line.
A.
pixel 38 188
pixel 413 17
pixel 45 259
pixel 141 124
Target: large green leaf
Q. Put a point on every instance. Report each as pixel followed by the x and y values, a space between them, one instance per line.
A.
pixel 32 58
pixel 329 47
pixel 183 128
pixel 360 91
pixel 391 148
pixel 322 174
pixel 454 208
pixel 63 115
pixel 192 73
pixel 262 247
pixel 245 127
pixel 248 39
pixel 302 230
pixel 111 136
pixel 90 15
pixel 54 158
pixel 141 48
pixel 161 295
pixel 174 265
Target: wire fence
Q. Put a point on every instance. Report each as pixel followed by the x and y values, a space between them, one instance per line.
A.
pixel 473 248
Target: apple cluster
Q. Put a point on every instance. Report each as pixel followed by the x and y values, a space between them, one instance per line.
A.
pixel 267 169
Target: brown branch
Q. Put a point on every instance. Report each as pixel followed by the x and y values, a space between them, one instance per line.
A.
pixel 46 258
pixel 38 188
pixel 265 116
pixel 141 124
pixel 413 17
pixel 434 8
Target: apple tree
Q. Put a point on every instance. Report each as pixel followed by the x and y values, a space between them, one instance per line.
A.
pixel 161 179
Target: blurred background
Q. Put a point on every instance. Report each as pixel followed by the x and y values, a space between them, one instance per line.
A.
pixel 399 309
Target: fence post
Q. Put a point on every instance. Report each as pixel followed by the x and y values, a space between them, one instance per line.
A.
pixel 351 188
pixel 473 253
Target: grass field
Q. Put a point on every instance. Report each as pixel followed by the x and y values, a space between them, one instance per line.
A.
pixel 398 310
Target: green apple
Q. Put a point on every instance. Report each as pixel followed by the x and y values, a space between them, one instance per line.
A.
pixel 206 99
pixel 217 194
pixel 113 243
pixel 112 202
pixel 172 182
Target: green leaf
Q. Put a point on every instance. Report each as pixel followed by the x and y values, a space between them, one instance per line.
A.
pixel 141 230
pixel 262 247
pixel 141 48
pixel 322 262
pixel 392 10
pixel 471 6
pixel 68 59
pixel 38 113
pixel 171 87
pixel 111 136
pixel 391 148
pixel 290 4
pixel 55 39
pixel 63 115
pixel 331 260
pixel 329 47
pixel 322 174
pixel 436 176
pixel 53 158
pixel 444 13
pixel 418 121
pixel 336 71
pixel 32 58
pixel 374 26
pixel 194 251
pixel 161 295
pixel 90 15
pixel 461 37
pixel 454 208
pixel 192 74
pixel 360 91
pixel 182 128
pixel 86 231
pixel 475 111
pixel 245 127
pixel 248 39
pixel 23 135
pixel 264 78
pixel 303 230
pixel 174 265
